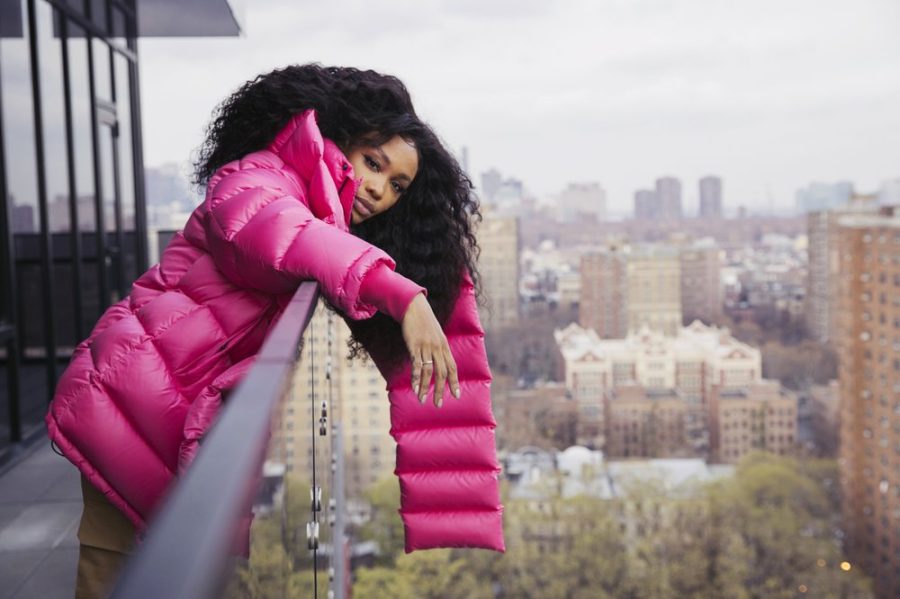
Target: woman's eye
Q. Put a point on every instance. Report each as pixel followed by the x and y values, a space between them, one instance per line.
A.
pixel 372 164
pixel 398 189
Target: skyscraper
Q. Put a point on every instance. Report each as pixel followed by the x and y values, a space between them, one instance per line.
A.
pixel 711 197
pixel 645 204
pixel 668 194
pixel 823 263
pixel 868 346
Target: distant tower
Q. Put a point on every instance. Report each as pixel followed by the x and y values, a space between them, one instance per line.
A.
pixel 668 193
pixel 711 197
pixel 645 204
pixel 491 181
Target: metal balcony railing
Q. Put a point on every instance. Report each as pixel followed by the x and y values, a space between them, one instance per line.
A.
pixel 189 548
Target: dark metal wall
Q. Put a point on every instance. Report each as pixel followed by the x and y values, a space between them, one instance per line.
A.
pixel 73 232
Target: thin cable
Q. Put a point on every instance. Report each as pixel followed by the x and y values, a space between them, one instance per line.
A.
pixel 312 383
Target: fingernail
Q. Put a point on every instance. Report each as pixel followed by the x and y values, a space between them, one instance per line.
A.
pixel 456 393
pixel 439 402
pixel 421 399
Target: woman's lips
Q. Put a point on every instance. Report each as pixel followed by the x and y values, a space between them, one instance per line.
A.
pixel 364 207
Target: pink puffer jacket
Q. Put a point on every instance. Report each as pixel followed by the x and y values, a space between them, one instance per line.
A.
pixel 141 391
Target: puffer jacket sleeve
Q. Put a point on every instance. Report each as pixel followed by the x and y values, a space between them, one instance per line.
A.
pixel 446 457
pixel 258 227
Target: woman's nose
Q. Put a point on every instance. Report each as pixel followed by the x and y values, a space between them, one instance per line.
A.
pixel 375 186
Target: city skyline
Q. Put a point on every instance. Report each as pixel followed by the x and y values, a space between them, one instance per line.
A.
pixel 632 91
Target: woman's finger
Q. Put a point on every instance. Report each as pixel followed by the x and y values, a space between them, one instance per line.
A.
pixel 415 372
pixel 452 375
pixel 440 378
pixel 425 379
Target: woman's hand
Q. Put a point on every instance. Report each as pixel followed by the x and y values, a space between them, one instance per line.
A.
pixel 429 351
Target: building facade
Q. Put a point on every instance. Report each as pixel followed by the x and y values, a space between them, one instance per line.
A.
pixel 654 289
pixel 646 206
pixel 604 292
pixel 710 197
pixel 699 357
pixel 758 417
pixel 668 196
pixel 647 423
pixel 72 227
pixel 868 346
pixel 701 288
pixel 824 264
pixel 498 264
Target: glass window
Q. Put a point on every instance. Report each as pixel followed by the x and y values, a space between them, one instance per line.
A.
pixel 102 74
pixel 83 163
pixel 56 173
pixel 22 196
pixel 126 168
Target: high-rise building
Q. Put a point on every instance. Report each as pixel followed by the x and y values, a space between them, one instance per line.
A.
pixel 668 195
pixel 498 264
pixel 603 302
pixel 579 199
pixel 711 197
pixel 646 205
pixel 868 346
pixel 823 263
pixel 490 183
pixel 355 395
pixel 701 295
pixel 654 289
pixel 760 416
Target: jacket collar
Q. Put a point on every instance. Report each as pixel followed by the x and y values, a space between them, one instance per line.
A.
pixel 322 166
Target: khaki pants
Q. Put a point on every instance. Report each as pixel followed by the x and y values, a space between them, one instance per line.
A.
pixel 106 537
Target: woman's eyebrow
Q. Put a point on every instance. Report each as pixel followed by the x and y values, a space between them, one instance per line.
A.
pixel 382 155
pixel 387 162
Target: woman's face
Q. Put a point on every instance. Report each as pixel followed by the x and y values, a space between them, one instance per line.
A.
pixel 386 171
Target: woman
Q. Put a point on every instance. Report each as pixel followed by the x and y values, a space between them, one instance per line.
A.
pixel 294 161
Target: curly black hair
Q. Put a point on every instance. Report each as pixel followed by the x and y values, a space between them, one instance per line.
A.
pixel 429 233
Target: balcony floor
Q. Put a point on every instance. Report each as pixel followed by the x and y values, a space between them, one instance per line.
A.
pixel 40 506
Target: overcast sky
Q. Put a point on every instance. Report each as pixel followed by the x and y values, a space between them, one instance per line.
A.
pixel 768 94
